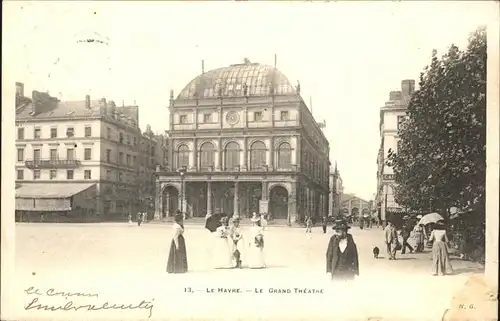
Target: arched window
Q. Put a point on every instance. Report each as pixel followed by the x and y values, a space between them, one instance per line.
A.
pixel 285 156
pixel 232 156
pixel 257 155
pixel 182 156
pixel 207 156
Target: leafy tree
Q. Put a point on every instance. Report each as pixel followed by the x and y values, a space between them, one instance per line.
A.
pixel 441 157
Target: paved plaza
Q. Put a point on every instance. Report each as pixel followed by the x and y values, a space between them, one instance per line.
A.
pixel 121 261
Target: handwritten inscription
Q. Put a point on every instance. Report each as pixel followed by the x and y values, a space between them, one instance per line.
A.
pixel 70 305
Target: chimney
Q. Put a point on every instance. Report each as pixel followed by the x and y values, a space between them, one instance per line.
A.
pixel 87 101
pixel 35 102
pixel 19 89
pixel 394 95
pixel 407 88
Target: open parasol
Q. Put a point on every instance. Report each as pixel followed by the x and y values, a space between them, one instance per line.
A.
pixel 430 218
pixel 213 222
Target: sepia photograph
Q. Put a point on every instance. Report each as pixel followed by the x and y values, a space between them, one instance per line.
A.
pixel 250 160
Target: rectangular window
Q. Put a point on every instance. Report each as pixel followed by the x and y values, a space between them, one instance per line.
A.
pixel 88 131
pixel 88 154
pixel 53 133
pixel 87 174
pixel 135 141
pixel 108 155
pixel 38 133
pixel 108 174
pixel 20 174
pixel 36 154
pixel 121 158
pixel 109 133
pixel 53 174
pixel 121 138
pixel 183 119
pixel 69 174
pixel 20 133
pixel 70 132
pixel 120 176
pixel 284 115
pixel 70 154
pixel 257 116
pixel 128 160
pixel 20 154
pixel 134 160
pixel 36 174
pixel 207 118
pixel 53 154
pixel 128 139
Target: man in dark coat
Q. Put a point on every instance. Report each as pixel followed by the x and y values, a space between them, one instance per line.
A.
pixel 342 254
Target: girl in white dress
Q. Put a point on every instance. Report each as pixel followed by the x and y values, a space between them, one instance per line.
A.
pixel 256 245
pixel 223 247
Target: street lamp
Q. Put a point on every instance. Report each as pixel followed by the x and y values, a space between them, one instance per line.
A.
pixel 182 171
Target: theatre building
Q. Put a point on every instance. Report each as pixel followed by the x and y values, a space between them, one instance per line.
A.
pixel 243 140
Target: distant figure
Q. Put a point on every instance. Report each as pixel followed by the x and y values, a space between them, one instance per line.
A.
pixel 177 257
pixel 130 219
pixel 223 246
pixel 342 254
pixel 236 236
pixel 139 218
pixel 263 222
pixel 405 234
pixel 440 258
pixel 391 240
pixel 308 224
pixel 324 224
pixel 419 237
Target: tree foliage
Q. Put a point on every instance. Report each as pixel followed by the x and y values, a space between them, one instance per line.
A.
pixel 441 156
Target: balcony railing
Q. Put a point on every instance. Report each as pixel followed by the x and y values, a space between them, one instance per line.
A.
pixel 52 163
pixel 237 168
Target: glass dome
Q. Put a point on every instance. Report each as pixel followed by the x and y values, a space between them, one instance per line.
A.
pixel 231 81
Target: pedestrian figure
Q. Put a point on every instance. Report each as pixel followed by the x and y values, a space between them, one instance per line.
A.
pixel 342 254
pixel 223 247
pixel 391 240
pixel 130 219
pixel 405 234
pixel 263 222
pixel 177 257
pixel 139 218
pixel 419 237
pixel 308 224
pixel 144 217
pixel 440 258
pixel 256 245
pixel 324 224
pixel 236 236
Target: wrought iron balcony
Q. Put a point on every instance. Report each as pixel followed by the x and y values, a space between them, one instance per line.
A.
pixel 52 163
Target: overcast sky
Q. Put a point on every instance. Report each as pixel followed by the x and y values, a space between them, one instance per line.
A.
pixel 347 56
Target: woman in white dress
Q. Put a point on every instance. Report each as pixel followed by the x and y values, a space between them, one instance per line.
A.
pixel 223 247
pixel 256 245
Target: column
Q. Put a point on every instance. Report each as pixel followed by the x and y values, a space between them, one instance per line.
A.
pixel 236 210
pixel 292 205
pixel 195 155
pixel 272 154
pixel 245 154
pixel 209 198
pixel 158 201
pixel 167 205
pixel 218 164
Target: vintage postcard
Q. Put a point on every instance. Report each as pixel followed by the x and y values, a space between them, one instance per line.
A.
pixel 250 160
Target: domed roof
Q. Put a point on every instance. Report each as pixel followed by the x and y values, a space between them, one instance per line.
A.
pixel 231 81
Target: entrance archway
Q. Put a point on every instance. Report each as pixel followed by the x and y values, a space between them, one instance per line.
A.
pixel 278 202
pixel 170 201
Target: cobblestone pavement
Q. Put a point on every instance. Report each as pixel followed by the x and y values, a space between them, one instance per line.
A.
pixel 120 261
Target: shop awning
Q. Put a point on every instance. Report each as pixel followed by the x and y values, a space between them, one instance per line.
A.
pixel 48 197
pixel 55 190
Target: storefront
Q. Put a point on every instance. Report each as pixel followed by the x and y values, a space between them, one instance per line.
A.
pixel 61 202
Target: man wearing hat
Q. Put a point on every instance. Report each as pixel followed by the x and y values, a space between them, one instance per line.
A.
pixel 342 254
pixel 236 236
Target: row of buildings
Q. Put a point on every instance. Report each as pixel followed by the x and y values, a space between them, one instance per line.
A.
pixel 241 139
pixel 392 115
pixel 86 159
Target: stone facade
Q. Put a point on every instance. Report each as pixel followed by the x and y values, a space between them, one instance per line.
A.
pixel 254 148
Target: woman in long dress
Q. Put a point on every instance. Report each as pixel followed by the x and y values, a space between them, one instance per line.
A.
pixel 440 259
pixel 256 245
pixel 177 257
pixel 223 247
pixel 419 236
